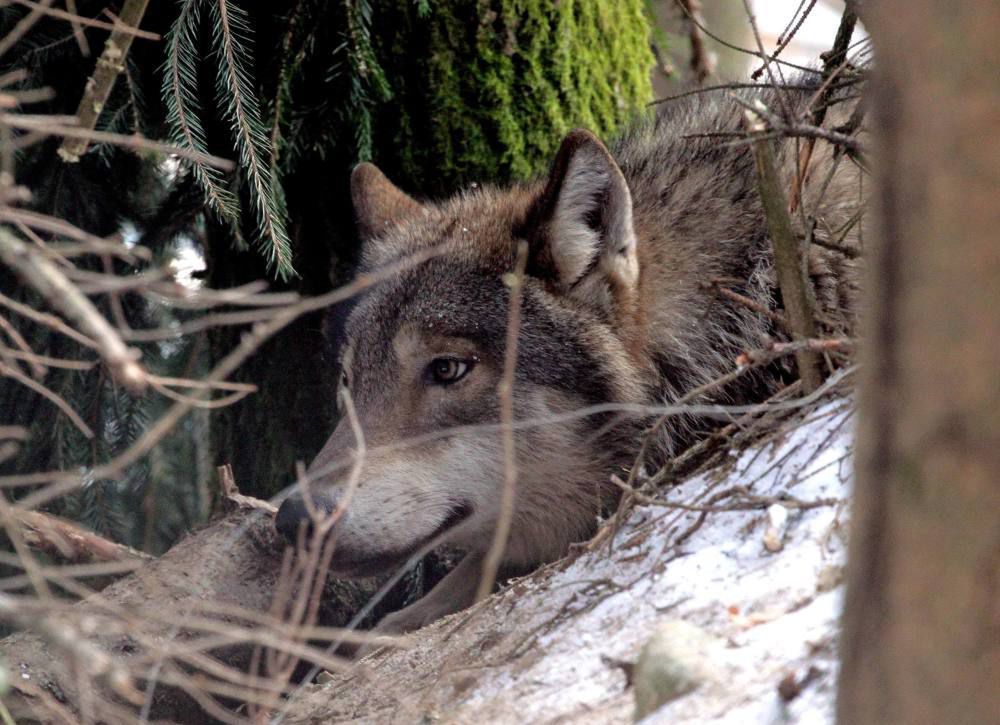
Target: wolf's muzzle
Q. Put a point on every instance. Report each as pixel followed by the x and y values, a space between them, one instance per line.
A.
pixel 293 515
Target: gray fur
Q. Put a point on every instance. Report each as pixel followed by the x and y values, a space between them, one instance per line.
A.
pixel 618 307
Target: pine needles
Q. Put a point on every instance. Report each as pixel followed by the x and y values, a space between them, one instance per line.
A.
pixel 367 79
pixel 237 100
pixel 180 93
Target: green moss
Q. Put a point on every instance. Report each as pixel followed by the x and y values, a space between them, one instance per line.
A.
pixel 484 90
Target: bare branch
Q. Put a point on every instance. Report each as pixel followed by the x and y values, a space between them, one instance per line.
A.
pixel 787 258
pixel 491 562
pixel 24 25
pixel 99 85
pixel 69 543
pixel 42 7
pixel 57 400
pixel 50 321
pixel 46 279
pixel 134 142
pixel 702 61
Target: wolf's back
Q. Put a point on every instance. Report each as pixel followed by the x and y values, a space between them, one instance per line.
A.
pixel 702 229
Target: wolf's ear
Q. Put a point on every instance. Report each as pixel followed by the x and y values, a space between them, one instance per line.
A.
pixel 583 239
pixel 378 203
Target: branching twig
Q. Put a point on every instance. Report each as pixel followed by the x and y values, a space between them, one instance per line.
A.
pixel 833 62
pixel 135 142
pixel 757 307
pixel 787 259
pixel 772 75
pixel 702 61
pixel 99 85
pixel 50 321
pixel 748 501
pixel 10 372
pixel 789 32
pixel 740 49
pixel 46 279
pixel 24 25
pixel 779 349
pixel 42 7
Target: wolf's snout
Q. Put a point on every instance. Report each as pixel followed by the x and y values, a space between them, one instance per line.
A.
pixel 294 514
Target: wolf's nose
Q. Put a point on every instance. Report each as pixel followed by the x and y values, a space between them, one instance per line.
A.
pixel 293 515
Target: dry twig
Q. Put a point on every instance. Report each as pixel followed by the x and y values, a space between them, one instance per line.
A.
pixel 787 258
pixel 491 562
pixel 46 279
pixel 702 61
pixel 99 85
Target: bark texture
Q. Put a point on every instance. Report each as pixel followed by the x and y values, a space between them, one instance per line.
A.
pixel 922 623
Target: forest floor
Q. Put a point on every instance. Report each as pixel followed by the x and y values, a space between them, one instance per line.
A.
pixel 761 583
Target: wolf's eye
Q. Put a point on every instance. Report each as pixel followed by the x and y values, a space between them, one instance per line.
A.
pixel 448 370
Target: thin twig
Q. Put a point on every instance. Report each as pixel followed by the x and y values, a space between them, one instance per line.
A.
pixel 748 502
pixel 43 8
pixel 46 279
pixel 702 62
pixel 23 26
pixel 54 398
pixel 134 142
pixel 772 75
pixel 46 361
pixel 491 562
pixel 50 321
pixel 788 33
pixel 62 481
pixel 748 51
pixel 24 351
pixel 834 61
pixel 757 307
pixel 779 349
pixel 69 543
pixel 734 86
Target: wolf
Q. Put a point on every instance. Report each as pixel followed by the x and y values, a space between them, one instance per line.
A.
pixel 625 251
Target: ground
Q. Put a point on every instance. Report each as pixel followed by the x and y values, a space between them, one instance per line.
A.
pixel 556 645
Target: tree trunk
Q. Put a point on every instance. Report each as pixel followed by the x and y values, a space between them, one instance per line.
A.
pixel 921 638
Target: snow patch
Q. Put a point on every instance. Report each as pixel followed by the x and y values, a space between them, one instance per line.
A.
pixel 550 646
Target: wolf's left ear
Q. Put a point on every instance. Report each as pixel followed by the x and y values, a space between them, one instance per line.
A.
pixel 378 203
pixel 582 238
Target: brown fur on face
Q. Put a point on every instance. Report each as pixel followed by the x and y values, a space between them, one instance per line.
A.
pixel 619 307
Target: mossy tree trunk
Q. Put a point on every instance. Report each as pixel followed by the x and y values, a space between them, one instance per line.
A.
pixel 921 636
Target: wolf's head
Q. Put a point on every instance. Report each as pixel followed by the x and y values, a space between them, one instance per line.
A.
pixel 419 449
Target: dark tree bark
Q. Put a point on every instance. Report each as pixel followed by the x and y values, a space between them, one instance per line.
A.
pixel 921 636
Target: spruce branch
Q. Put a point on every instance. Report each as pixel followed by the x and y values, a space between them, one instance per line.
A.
pixel 368 82
pixel 99 85
pixel 180 94
pixel 235 93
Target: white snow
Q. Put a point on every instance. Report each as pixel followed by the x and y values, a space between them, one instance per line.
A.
pixel 540 650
